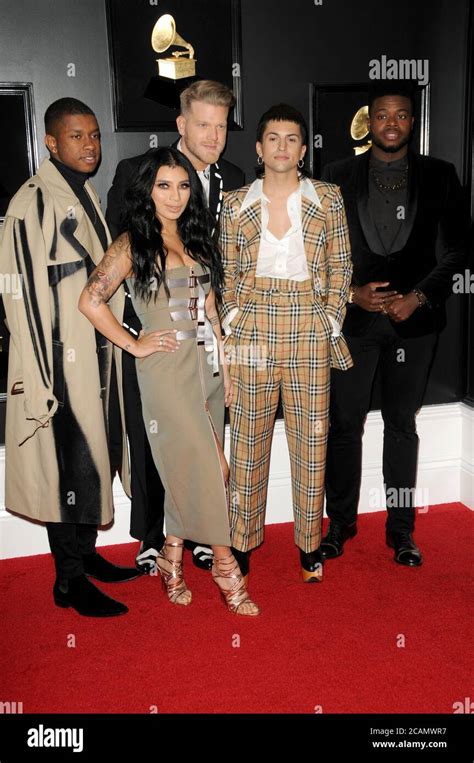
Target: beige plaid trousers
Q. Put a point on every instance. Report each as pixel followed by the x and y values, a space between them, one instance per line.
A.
pixel 279 344
pixel 282 342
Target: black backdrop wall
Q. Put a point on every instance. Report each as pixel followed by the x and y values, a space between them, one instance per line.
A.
pixel 285 46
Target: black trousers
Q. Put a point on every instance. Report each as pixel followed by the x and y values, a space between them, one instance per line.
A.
pixel 148 494
pixel 404 367
pixel 69 543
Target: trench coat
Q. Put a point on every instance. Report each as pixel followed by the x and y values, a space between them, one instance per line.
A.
pixel 57 463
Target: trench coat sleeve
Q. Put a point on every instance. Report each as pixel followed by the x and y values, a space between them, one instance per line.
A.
pixel 23 260
pixel 229 222
pixel 338 258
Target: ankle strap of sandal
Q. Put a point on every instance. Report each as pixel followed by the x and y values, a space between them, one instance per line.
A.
pixel 224 559
pixel 225 566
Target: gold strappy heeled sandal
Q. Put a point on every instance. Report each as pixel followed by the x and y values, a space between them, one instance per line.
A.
pixel 172 579
pixel 235 595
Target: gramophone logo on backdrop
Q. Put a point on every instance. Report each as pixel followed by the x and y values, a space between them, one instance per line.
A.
pixel 360 129
pixel 181 63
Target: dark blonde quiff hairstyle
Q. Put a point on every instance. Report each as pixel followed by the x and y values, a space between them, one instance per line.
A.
pixel 206 91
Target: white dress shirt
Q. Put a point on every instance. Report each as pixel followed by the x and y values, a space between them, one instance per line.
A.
pixel 284 257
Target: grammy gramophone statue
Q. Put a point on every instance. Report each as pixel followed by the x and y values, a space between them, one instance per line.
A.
pixel 181 63
pixel 360 128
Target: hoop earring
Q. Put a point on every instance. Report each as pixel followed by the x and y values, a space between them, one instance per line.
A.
pixel 259 160
pixel 301 163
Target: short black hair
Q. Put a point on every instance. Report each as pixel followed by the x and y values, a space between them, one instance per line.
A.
pixel 62 108
pixel 281 112
pixel 381 88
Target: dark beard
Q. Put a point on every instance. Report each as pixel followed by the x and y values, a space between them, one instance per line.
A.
pixel 391 149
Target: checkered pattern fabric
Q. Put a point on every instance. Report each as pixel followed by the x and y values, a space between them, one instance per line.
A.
pixel 279 344
pixel 282 342
pixel 327 246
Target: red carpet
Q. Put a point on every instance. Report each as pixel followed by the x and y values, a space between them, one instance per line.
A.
pixel 332 645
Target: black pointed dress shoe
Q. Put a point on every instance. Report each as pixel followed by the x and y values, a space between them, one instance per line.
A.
pixel 312 566
pixel 95 566
pixel 406 550
pixel 82 595
pixel 332 545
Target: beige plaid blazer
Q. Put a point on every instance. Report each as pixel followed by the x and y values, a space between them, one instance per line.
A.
pixel 326 239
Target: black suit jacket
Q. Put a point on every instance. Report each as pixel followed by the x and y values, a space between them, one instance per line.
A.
pixel 225 176
pixel 436 214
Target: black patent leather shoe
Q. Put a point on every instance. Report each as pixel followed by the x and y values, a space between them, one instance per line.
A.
pixel 332 545
pixel 145 560
pixel 82 595
pixel 203 557
pixel 312 566
pixel 95 566
pixel 406 550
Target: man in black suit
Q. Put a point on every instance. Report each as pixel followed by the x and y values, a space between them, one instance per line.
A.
pixel 202 125
pixel 398 206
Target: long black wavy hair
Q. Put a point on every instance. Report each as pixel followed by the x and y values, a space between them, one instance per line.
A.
pixel 144 227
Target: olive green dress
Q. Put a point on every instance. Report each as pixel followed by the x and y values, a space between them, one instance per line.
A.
pixel 182 396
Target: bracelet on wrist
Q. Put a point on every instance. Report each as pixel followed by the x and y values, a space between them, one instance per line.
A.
pixel 420 297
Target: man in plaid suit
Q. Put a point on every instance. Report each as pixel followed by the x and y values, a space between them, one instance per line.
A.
pixel 286 256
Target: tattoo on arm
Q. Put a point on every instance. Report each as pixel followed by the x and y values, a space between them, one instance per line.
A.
pixel 106 278
pixel 99 287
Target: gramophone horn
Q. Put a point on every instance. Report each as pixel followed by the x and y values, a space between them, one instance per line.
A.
pixel 164 34
pixel 359 127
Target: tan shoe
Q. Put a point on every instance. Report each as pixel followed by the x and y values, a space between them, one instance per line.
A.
pixel 228 577
pixel 171 573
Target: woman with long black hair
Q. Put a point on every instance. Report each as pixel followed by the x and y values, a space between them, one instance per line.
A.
pixel 173 269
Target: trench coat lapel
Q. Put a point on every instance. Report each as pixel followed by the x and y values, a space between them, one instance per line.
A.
pixel 75 224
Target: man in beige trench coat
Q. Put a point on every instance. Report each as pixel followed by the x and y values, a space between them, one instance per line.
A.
pixel 57 464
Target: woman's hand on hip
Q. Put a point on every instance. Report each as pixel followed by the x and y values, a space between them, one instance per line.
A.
pixel 155 341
